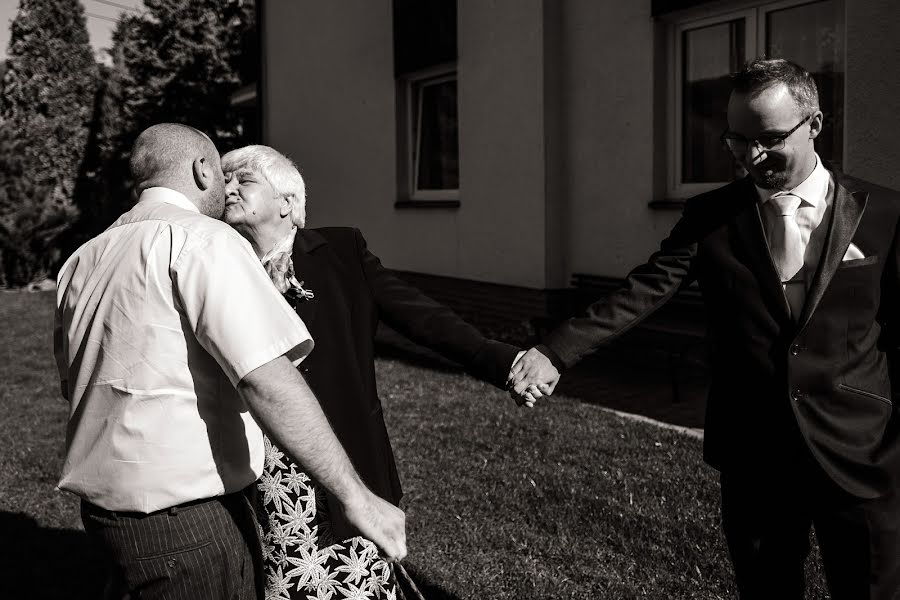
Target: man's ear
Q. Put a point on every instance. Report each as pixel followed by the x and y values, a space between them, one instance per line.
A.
pixel 815 125
pixel 202 175
pixel 287 204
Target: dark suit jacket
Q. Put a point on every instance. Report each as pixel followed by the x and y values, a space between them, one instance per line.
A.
pixel 353 292
pixel 776 383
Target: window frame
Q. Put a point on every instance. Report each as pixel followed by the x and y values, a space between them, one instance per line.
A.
pixel 755 20
pixel 412 130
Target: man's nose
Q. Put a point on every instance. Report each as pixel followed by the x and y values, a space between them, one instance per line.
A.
pixel 756 152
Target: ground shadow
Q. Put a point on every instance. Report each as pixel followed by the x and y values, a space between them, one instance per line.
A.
pixel 645 375
pixel 427 589
pixel 43 563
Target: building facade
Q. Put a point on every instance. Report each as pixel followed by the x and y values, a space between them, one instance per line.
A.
pixel 496 151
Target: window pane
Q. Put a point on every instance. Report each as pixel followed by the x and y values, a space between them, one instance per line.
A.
pixel 437 155
pixel 424 34
pixel 710 55
pixel 811 36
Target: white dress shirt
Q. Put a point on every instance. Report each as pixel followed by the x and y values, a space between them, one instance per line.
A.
pixel 816 193
pixel 158 319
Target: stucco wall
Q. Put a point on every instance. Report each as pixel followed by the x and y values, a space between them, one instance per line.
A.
pixel 560 132
pixel 872 122
pixel 608 78
pixel 330 105
pixel 501 113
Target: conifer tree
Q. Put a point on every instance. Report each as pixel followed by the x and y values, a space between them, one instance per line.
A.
pixel 46 104
pixel 48 91
pixel 178 61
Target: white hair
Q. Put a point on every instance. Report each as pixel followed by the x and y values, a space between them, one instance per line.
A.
pixel 280 171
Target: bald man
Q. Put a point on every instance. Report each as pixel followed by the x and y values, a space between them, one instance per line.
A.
pixel 171 345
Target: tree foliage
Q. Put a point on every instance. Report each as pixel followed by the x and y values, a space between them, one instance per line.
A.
pixel 179 61
pixel 45 106
pixel 32 221
pixel 48 91
pixel 67 124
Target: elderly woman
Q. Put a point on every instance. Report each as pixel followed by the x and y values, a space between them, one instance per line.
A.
pixel 341 291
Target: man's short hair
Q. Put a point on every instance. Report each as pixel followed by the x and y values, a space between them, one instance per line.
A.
pixel 280 171
pixel 760 74
pixel 167 150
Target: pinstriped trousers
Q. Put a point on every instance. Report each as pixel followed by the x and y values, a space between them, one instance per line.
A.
pixel 205 551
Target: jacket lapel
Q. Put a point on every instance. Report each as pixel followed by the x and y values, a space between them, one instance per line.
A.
pixel 752 237
pixel 308 267
pixel 847 209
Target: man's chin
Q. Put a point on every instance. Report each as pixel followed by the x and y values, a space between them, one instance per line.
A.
pixel 768 179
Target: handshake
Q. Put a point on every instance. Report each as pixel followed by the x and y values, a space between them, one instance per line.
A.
pixel 532 376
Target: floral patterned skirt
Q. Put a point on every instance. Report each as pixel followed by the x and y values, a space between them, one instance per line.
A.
pixel 302 560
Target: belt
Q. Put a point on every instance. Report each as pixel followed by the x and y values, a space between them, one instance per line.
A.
pixel 172 510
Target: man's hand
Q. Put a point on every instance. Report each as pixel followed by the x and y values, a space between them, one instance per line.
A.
pixel 380 521
pixel 531 391
pixel 532 374
pixel 527 399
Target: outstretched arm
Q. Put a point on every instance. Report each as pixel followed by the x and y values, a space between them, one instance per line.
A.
pixel 646 288
pixel 433 325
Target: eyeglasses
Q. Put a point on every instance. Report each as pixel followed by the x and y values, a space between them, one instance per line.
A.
pixel 738 144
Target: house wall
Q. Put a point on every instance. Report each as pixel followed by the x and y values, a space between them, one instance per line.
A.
pixel 609 104
pixel 329 99
pixel 328 102
pixel 562 133
pixel 500 234
pixel 872 118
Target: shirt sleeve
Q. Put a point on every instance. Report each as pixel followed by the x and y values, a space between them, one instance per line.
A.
pixel 232 307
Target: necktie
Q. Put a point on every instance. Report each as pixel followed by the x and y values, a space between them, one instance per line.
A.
pixel 786 247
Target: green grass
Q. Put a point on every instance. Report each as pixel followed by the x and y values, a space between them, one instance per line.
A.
pixel 563 501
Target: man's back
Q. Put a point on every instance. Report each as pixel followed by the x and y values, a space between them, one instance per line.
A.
pixel 154 419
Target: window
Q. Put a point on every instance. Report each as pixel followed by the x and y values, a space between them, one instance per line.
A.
pixel 427 121
pixel 706 48
pixel 432 135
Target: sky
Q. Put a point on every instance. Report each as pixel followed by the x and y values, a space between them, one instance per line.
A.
pixel 101 19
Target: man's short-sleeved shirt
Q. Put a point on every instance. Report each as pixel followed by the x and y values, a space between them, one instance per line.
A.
pixel 158 319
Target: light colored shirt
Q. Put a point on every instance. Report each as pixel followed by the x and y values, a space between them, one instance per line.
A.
pixel 816 193
pixel 158 319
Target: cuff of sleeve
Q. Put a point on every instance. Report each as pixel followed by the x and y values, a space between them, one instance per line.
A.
pixel 553 356
pixel 287 346
pixel 493 362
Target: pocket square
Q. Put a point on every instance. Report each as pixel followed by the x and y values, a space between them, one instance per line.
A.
pixel 853 253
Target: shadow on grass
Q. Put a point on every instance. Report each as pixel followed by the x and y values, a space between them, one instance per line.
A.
pixel 38 562
pixel 429 590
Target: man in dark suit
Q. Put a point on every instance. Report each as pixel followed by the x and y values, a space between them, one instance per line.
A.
pixel 799 267
pixel 341 291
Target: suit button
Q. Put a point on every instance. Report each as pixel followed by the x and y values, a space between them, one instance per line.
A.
pixel 795 349
pixel 796 395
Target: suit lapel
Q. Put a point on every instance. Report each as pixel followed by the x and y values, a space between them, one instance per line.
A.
pixel 308 268
pixel 847 210
pixel 749 228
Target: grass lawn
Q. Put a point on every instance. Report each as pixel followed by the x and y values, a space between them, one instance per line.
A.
pixel 563 501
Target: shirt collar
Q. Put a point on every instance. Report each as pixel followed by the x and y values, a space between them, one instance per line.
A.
pixel 169 196
pixel 813 190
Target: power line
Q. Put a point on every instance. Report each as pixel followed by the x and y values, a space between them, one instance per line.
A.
pixel 117 5
pixel 104 17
